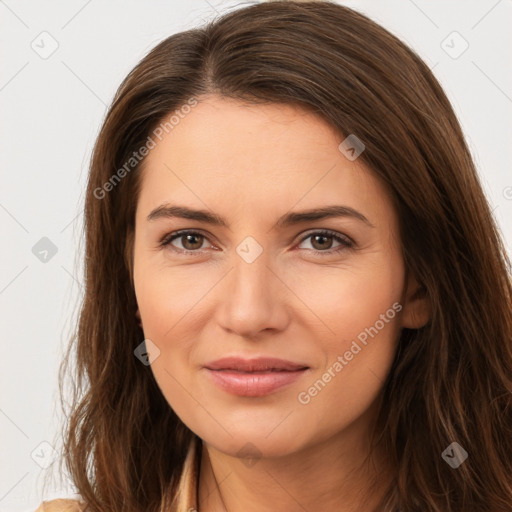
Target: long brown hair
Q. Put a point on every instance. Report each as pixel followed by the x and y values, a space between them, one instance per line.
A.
pixel 450 381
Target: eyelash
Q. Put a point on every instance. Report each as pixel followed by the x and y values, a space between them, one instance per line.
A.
pixel 346 243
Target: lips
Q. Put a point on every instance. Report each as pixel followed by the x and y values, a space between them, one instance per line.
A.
pixel 254 377
pixel 261 364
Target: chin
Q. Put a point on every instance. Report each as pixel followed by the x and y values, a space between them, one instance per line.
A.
pixel 276 435
pixel 246 444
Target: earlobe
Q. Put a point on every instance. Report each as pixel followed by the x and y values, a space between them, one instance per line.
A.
pixel 137 316
pixel 417 310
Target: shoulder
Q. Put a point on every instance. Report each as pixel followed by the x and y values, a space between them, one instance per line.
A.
pixel 61 506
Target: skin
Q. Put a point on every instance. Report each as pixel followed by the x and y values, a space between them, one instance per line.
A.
pixel 299 300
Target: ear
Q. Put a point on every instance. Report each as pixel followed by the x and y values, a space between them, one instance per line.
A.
pixel 417 310
pixel 137 316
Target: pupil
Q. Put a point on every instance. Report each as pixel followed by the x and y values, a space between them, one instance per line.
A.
pixel 324 237
pixel 187 237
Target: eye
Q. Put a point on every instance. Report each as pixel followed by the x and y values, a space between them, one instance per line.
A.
pixel 322 241
pixel 191 241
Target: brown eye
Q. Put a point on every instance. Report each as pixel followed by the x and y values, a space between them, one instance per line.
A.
pixel 189 241
pixel 322 242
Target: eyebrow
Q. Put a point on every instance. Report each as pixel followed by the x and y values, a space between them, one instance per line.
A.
pixel 289 219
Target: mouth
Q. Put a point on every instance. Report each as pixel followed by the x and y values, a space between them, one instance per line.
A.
pixel 256 377
pixel 260 364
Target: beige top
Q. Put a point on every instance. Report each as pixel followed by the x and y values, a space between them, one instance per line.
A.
pixel 186 497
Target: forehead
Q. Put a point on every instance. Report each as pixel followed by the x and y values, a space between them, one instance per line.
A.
pixel 226 154
pixel 219 131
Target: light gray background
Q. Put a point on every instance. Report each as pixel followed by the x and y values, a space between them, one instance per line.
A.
pixel 51 111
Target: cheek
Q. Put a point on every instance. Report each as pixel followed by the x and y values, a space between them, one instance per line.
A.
pixel 347 301
pixel 172 305
pixel 166 299
pixel 359 313
pixel 166 306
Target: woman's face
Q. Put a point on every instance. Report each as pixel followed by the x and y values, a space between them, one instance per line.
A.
pixel 255 279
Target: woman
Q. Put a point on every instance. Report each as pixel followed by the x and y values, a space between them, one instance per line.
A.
pixel 296 294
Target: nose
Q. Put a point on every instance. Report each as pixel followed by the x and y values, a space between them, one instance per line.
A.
pixel 253 298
